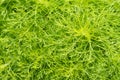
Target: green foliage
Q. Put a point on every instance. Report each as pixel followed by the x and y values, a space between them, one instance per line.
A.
pixel 59 39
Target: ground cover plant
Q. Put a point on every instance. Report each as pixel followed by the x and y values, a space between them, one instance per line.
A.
pixel 59 39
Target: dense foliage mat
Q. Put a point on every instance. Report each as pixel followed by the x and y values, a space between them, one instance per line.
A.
pixel 59 39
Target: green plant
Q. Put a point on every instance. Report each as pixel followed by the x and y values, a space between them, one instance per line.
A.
pixel 59 40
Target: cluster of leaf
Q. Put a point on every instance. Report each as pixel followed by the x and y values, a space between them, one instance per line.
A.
pixel 59 39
